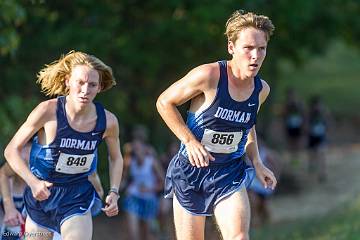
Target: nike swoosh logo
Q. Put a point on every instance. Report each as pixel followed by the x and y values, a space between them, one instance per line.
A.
pixel 83 209
pixel 95 133
pixel 251 104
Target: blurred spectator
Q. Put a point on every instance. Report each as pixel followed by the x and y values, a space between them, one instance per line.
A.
pixel 317 122
pixel 165 210
pixel 141 202
pixel 11 205
pixel 139 134
pixel 127 151
pixel 258 194
pixel 172 149
pixel 11 201
pixel 294 122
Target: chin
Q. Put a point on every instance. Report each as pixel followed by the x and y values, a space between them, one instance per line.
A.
pixel 252 74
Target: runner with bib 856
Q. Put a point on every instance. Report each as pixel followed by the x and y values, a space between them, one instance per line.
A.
pixel 208 175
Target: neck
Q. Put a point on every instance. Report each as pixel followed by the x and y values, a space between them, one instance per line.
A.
pixel 235 75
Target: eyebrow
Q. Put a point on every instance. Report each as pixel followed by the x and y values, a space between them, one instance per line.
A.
pixel 253 45
pixel 82 79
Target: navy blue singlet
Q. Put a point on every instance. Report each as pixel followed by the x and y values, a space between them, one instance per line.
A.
pixel 224 126
pixel 72 156
pixel 223 129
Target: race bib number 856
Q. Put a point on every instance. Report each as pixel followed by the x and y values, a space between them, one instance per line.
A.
pixel 221 142
pixel 73 164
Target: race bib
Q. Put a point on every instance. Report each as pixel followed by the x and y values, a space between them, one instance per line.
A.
pixel 221 142
pixel 73 164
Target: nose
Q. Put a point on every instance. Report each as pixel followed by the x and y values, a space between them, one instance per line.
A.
pixel 85 88
pixel 255 53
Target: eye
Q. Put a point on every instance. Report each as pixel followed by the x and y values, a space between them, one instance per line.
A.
pixel 249 48
pixel 93 84
pixel 80 82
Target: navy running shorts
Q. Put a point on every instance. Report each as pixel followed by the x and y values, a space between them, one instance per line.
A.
pixel 198 190
pixel 65 201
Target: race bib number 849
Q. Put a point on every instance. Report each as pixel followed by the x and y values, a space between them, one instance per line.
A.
pixel 221 142
pixel 73 164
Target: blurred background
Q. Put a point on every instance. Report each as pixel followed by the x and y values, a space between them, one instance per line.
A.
pixel 308 126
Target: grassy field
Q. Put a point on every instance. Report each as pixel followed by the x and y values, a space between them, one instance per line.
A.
pixel 342 224
pixel 334 76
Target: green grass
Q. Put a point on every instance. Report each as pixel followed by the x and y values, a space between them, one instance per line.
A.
pixel 342 224
pixel 334 76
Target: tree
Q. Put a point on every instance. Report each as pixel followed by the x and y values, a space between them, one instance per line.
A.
pixel 12 17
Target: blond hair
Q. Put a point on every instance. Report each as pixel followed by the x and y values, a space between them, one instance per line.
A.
pixel 239 21
pixel 52 77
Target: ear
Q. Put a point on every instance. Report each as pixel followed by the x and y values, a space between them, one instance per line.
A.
pixel 231 47
pixel 67 77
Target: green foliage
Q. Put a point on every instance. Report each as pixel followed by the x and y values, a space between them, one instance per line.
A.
pixel 333 76
pixel 343 224
pixel 13 113
pixel 12 17
pixel 151 44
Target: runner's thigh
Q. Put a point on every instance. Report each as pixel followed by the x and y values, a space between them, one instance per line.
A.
pixel 187 226
pixel 77 227
pixel 233 215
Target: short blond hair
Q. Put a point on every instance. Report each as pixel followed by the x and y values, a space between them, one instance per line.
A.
pixel 52 77
pixel 239 21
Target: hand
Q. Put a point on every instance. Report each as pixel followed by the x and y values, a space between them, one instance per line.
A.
pixel 13 218
pixel 40 190
pixel 111 207
pixel 266 176
pixel 198 155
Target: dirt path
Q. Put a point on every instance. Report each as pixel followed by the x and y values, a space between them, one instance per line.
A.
pixel 315 198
